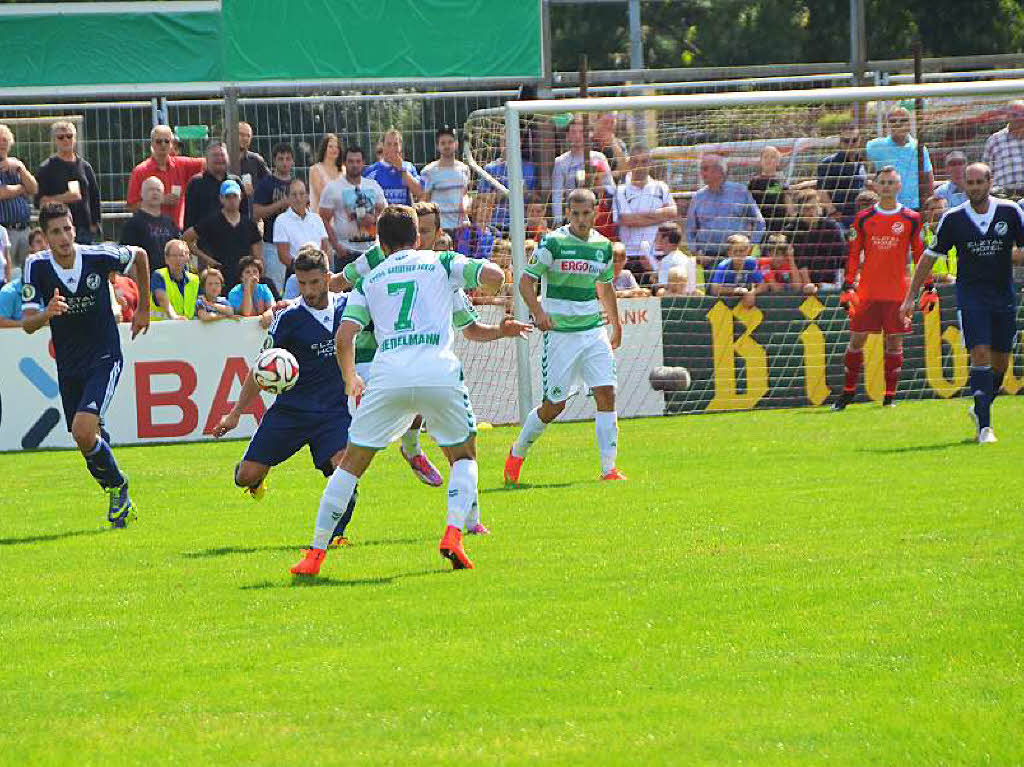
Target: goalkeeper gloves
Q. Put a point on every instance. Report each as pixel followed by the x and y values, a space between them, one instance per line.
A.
pixel 928 300
pixel 848 299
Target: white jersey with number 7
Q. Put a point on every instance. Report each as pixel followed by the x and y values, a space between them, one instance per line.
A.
pixel 408 297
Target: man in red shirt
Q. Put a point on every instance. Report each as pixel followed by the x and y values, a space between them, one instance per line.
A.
pixel 884 234
pixel 175 171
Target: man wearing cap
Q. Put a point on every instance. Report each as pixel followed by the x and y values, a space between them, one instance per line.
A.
pixel 227 236
pixel 953 191
pixel 1004 153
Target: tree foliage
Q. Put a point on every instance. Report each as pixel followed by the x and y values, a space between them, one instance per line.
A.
pixel 681 33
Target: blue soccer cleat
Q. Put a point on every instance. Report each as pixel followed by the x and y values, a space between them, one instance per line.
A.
pixel 121 509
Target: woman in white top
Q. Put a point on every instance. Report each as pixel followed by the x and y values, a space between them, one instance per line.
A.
pixel 327 168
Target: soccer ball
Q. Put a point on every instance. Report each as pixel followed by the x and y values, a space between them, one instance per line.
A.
pixel 276 370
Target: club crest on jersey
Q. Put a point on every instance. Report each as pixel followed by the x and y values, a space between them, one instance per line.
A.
pixel 1001 228
pixel 897 227
pixel 28 292
pixel 92 281
pixel 125 256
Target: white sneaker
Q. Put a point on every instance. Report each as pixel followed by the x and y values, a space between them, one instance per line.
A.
pixel 986 436
pixel 974 420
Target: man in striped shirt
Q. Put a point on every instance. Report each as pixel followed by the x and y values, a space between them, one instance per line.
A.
pixel 574 264
pixel 1004 152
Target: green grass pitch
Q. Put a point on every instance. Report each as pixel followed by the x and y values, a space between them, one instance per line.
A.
pixel 769 588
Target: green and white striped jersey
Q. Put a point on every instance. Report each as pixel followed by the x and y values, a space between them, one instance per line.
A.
pixel 411 299
pixel 463 312
pixel 569 269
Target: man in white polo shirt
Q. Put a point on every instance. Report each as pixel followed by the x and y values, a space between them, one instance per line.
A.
pixel 641 204
pixel 297 225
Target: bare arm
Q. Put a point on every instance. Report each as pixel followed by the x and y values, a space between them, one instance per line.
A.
pixel 345 353
pixel 528 290
pixel 140 273
pixel 492 277
pixel 34 319
pixel 191 238
pixel 606 292
pixel 230 420
pixel 507 328
pixel 327 215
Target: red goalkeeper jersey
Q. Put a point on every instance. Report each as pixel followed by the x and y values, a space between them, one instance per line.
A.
pixel 886 238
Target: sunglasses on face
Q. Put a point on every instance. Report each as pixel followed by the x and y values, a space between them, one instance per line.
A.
pixel 899 121
pixel 65 137
pixel 161 141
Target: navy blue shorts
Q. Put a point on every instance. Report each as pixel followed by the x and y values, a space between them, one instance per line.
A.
pixel 90 392
pixel 986 326
pixel 283 432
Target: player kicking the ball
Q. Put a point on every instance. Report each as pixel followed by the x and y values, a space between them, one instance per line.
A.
pixel 67 286
pixel 884 234
pixel 984 231
pixel 408 298
pixel 575 265
pixel 314 412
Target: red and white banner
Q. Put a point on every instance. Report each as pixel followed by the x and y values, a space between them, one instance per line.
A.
pixel 178 380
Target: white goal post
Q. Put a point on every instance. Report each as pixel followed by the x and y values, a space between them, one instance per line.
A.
pixel 512 116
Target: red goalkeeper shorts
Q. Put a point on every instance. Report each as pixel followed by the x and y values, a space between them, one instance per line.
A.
pixel 878 317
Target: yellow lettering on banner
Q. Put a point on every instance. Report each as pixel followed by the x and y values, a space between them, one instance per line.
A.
pixel 934 337
pixel 813 341
pixel 1011 383
pixel 725 351
pixel 874 368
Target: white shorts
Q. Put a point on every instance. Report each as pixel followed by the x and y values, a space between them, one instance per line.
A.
pixel 384 415
pixel 570 358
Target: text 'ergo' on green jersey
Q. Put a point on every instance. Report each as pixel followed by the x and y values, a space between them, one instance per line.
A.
pixel 410 298
pixel 569 269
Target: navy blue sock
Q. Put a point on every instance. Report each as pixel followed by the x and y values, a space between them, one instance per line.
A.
pixel 981 389
pixel 997 382
pixel 339 529
pixel 102 465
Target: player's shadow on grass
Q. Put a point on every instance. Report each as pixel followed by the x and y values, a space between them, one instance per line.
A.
pixel 918 448
pixel 227 551
pixel 301 582
pixel 53 536
pixel 529 485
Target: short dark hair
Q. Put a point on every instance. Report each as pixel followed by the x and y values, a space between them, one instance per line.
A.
pixel 51 211
pixel 424 208
pixel 309 259
pixel 321 151
pixel 247 261
pixel 207 273
pixel 396 227
pixel 445 130
pixel 582 194
pixel 282 148
pixel 671 231
pixel 354 149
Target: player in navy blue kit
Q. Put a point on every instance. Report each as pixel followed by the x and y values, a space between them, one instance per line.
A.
pixel 68 287
pixel 314 412
pixel 984 231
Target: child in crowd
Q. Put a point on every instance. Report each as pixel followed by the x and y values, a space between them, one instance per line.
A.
pixel 737 274
pixel 443 243
pixel 536 223
pixel 624 281
pixel 211 305
pixel 780 270
pixel 675 284
pixel 250 297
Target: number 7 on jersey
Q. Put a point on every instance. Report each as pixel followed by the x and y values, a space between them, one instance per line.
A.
pixel 408 291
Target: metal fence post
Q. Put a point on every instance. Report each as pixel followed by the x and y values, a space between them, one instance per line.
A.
pixel 230 136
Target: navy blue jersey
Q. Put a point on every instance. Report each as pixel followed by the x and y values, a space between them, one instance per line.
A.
pixel 308 334
pixel 984 249
pixel 87 332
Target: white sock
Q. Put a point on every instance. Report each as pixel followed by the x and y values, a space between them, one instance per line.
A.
pixel 462 490
pixel 607 427
pixel 529 434
pixel 474 513
pixel 333 503
pixel 411 443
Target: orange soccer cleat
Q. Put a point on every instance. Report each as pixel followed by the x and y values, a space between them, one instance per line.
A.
pixel 513 465
pixel 451 549
pixel 311 561
pixel 613 475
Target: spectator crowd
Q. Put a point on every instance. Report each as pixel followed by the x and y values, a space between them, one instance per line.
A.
pixel 221 244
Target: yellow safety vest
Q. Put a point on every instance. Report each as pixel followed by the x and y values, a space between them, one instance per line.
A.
pixel 183 303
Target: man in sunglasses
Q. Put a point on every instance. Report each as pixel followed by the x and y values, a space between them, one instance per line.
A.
pixel 899 149
pixel 65 177
pixel 175 171
pixel 843 174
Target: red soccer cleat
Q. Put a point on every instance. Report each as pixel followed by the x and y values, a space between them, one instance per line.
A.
pixel 311 561
pixel 451 549
pixel 613 476
pixel 513 465
pixel 424 470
